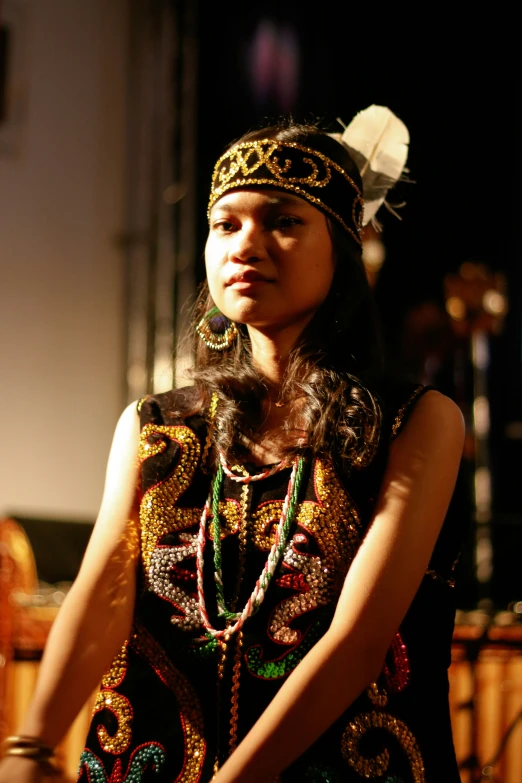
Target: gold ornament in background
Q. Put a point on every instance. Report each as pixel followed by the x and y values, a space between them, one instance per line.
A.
pixel 476 300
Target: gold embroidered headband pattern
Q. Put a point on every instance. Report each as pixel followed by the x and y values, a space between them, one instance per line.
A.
pixel 291 166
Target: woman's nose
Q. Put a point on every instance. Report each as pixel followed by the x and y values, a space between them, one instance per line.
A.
pixel 247 245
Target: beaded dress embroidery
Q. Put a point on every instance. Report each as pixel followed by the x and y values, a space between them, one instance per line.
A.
pixel 174 702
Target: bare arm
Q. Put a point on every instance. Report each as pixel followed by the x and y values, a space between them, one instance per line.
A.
pixel 96 615
pixel 379 587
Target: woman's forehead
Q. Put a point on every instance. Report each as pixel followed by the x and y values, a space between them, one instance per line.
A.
pixel 259 197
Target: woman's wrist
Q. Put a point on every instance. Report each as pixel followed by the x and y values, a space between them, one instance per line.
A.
pixel 32 748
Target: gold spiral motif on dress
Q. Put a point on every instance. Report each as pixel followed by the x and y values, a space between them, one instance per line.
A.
pixel 333 522
pixel 333 519
pixel 378 765
pixel 377 695
pixel 121 707
pixel 230 519
pixel 159 514
pixel 118 704
pixel 191 715
pixel 118 669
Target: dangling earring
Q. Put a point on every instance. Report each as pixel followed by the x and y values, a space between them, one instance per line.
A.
pixel 216 330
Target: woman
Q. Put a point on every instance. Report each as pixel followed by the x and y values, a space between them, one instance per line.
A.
pixel 276 572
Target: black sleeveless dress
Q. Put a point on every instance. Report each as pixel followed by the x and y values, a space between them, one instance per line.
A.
pixel 165 715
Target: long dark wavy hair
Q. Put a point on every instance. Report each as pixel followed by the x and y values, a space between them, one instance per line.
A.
pixel 336 364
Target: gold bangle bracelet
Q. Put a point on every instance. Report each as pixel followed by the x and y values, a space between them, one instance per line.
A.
pixel 27 743
pixel 31 748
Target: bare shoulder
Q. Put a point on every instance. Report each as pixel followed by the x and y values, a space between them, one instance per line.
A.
pixel 435 410
pixel 122 466
pixel 435 421
pixel 128 427
pixel 130 416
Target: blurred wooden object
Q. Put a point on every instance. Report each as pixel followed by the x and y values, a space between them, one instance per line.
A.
pixel 23 632
pixel 486 702
pixel 17 575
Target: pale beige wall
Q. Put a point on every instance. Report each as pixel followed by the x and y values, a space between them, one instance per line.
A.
pixel 61 282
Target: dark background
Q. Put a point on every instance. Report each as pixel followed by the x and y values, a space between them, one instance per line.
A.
pixel 452 75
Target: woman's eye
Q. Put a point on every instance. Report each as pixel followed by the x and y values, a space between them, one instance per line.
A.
pixel 223 226
pixel 286 221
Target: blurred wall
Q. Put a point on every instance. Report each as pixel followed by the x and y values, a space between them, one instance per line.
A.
pixel 61 270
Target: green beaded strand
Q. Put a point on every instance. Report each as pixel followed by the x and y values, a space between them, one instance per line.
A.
pixel 216 534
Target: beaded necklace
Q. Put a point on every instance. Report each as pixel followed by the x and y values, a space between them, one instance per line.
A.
pixel 235 620
pixel 248 478
pixel 211 509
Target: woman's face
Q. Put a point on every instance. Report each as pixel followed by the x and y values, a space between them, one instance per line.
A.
pixel 269 258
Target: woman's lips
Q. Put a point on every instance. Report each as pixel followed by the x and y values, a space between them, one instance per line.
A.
pixel 247 279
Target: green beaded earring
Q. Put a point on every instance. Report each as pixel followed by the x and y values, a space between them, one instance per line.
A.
pixel 216 330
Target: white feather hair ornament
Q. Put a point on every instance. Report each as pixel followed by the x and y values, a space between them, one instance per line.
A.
pixel 377 141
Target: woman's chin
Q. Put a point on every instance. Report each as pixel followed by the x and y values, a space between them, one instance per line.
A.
pixel 251 313
pixel 264 313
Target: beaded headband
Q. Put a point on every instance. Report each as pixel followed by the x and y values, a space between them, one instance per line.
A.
pixel 291 166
